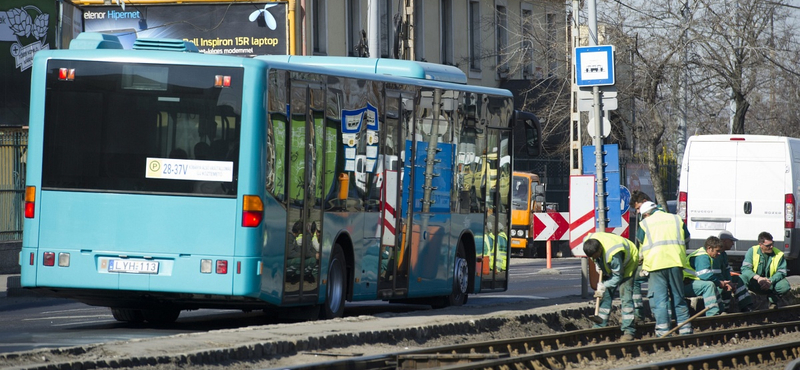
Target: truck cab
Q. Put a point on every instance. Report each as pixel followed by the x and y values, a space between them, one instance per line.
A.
pixel 527 197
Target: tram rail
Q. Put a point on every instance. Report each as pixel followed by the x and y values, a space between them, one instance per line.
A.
pixel 576 348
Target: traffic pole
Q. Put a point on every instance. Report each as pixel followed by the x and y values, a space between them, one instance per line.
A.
pixel 549 257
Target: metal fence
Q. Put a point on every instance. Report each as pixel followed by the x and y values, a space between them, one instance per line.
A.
pixel 13 148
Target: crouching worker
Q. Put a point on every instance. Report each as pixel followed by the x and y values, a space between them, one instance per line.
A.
pixel 693 286
pixel 764 270
pixel 711 264
pixel 617 259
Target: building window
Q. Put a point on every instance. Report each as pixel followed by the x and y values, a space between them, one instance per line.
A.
pixel 447 32
pixel 386 25
pixel 319 27
pixel 552 32
pixel 419 30
pixel 354 29
pixel 474 35
pixel 527 41
pixel 501 44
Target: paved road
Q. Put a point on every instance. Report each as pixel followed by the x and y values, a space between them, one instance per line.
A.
pixel 29 323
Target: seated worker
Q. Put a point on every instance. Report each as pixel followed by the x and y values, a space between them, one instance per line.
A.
pixel 617 259
pixel 742 296
pixel 707 262
pixel 693 286
pixel 764 270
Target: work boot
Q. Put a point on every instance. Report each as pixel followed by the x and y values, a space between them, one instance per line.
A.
pixel 626 338
pixel 638 314
pixel 777 301
pixel 760 303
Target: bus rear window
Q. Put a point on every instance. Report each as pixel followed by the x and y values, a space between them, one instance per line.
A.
pixel 125 127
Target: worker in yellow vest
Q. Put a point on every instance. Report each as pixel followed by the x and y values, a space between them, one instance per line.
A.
pixel 764 270
pixel 663 251
pixel 617 259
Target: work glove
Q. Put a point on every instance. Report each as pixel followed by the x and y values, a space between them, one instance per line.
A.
pixel 601 290
pixel 644 273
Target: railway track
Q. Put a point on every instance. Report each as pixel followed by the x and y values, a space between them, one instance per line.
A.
pixel 579 348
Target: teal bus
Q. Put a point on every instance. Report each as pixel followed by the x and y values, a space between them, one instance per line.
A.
pixel 161 179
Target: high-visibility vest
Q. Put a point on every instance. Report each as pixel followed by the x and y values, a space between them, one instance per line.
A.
pixel 773 266
pixel 502 250
pixel 702 252
pixel 663 246
pixel 613 244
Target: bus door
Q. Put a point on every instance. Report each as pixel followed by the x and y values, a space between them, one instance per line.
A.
pixel 395 213
pixel 497 198
pixel 305 142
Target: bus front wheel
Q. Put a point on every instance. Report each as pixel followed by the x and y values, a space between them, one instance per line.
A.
pixel 337 273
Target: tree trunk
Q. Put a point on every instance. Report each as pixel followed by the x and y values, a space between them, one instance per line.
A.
pixel 742 105
pixel 651 156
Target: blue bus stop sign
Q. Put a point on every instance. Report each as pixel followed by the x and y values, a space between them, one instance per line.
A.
pixel 624 199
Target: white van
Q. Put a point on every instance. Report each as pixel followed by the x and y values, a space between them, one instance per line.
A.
pixel 745 184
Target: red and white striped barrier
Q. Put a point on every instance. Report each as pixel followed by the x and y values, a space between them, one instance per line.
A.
pixel 581 211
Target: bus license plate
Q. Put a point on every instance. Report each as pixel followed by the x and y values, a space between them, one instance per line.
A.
pixel 133 267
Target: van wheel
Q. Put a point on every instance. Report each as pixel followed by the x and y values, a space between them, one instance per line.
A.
pixel 337 275
pixel 794 266
pixel 127 315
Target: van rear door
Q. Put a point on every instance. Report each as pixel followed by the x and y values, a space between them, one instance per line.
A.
pixel 760 189
pixel 710 188
pixel 736 185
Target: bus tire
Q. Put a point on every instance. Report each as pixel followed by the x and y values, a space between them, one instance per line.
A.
pixel 127 315
pixel 336 287
pixel 459 294
pixel 163 316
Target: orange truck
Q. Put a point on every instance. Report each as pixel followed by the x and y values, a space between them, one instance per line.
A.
pixel 527 198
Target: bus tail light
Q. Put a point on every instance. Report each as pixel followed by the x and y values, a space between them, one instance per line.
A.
pixel 49 259
pixel 66 74
pixel 252 211
pixel 30 201
pixel 788 215
pixel 222 81
pixel 682 197
pixel 222 267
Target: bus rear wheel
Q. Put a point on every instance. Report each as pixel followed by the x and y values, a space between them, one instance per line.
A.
pixel 127 315
pixel 337 274
pixel 458 296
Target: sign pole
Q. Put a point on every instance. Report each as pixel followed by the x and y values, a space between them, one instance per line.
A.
pixel 598 122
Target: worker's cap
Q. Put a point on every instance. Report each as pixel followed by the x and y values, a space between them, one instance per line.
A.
pixel 647 207
pixel 725 234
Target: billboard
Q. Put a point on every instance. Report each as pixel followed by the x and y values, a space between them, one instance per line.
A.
pixel 244 29
pixel 26 26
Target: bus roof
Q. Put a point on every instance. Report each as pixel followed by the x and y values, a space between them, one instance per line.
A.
pixel 393 67
pixel 104 47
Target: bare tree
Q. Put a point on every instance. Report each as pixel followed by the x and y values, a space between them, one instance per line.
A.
pixel 736 42
pixel 532 39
